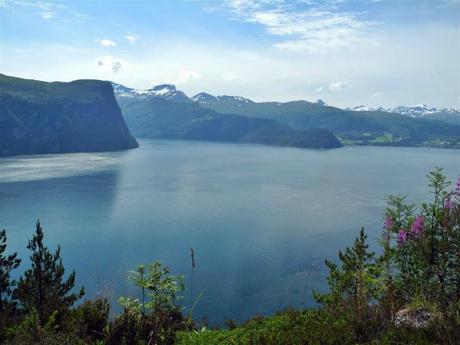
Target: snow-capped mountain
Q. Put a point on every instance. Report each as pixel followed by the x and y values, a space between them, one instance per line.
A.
pixel 165 91
pixel 419 110
pixel 206 98
pixel 366 108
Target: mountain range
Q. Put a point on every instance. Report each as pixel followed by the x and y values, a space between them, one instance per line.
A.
pixel 164 112
pixel 419 110
pixel 449 115
pixel 93 115
pixel 358 126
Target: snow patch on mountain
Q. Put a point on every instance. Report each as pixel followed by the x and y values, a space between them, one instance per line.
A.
pixel 165 91
pixel 419 110
pixel 206 98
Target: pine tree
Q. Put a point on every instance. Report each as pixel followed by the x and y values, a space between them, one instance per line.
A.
pixel 7 264
pixel 355 282
pixel 43 288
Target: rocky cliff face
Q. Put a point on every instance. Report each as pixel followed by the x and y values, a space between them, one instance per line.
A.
pixel 41 117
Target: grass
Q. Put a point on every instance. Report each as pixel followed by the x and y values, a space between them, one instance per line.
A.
pixel 308 327
pixel 289 327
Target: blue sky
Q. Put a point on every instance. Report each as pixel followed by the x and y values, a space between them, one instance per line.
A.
pixel 346 52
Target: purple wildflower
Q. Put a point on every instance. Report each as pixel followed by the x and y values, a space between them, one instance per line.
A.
pixel 402 237
pixel 448 203
pixel 417 226
pixel 457 189
pixel 388 223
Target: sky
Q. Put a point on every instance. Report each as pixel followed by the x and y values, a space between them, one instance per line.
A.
pixel 345 52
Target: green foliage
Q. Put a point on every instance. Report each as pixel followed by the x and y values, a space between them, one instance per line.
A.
pixel 92 318
pixel 7 305
pixel 45 300
pixel 312 327
pixel 163 289
pixel 426 247
pixel 356 282
pixel 156 318
pixel 7 264
pixel 32 331
pixel 32 327
pixel 43 288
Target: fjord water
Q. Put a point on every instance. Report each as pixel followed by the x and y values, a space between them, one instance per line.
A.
pixel 260 219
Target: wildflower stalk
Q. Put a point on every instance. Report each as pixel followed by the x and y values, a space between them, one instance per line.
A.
pixel 192 254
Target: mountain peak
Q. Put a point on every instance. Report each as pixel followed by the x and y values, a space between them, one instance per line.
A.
pixel 163 88
pixel 238 99
pixel 204 98
pixel 118 88
pixel 320 102
pixel 165 91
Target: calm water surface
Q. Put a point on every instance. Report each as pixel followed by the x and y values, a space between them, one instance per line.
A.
pixel 261 219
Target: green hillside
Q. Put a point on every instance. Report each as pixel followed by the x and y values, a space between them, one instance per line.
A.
pixel 353 127
pixel 160 118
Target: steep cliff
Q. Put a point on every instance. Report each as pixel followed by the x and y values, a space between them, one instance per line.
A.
pixel 42 117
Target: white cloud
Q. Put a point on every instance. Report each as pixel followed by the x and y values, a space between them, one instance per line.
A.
pixel 319 89
pixel 83 17
pixel 186 76
pixel 108 63
pixel 46 9
pixel 181 78
pixel 338 86
pixel 132 38
pixel 376 93
pixel 229 76
pixel 30 3
pixel 311 28
pixel 106 43
pixel 47 15
pixel 281 76
pixel 232 77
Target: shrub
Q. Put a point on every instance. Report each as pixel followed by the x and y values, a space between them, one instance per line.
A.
pixel 92 318
pixel 156 317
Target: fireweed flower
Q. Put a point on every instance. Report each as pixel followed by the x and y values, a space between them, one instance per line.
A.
pixel 448 203
pixel 402 237
pixel 388 223
pixel 417 226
